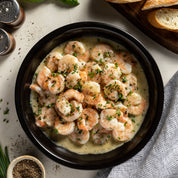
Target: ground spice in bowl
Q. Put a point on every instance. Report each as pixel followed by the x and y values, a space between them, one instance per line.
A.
pixel 27 169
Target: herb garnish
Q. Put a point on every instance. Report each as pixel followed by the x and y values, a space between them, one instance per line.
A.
pixel 56 131
pixel 116 65
pixel 91 74
pixel 6 111
pixel 75 54
pixel 108 118
pixel 124 79
pixel 4 162
pixel 71 2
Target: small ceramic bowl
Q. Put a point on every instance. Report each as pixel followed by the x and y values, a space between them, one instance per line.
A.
pixel 18 159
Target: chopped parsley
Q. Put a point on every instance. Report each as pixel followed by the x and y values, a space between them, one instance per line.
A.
pixel 56 131
pixel 91 74
pixel 6 111
pixel 108 118
pixel 116 65
pixel 109 136
pixel 133 120
pixel 130 93
pixel 80 131
pixel 78 108
pixel 78 86
pixel 121 96
pixel 54 83
pixel 50 105
pixel 39 111
pixel 124 79
pixel 75 68
pixel 101 62
pixel 118 112
pixel 98 71
pixel 107 54
pixel 80 119
pixel 75 54
pixel 54 74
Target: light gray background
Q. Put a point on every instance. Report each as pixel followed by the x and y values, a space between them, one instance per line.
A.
pixel 41 19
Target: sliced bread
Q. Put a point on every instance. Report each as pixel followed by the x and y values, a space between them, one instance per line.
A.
pixel 122 1
pixel 164 18
pixel 150 4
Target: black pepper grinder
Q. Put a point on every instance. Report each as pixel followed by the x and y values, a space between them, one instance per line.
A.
pixel 7 42
pixel 11 13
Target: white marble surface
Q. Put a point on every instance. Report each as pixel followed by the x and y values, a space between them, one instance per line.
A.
pixel 41 19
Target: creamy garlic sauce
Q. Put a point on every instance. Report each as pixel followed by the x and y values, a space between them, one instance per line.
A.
pixel 89 147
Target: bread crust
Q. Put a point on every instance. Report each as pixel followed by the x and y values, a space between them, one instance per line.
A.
pixel 150 4
pixel 153 20
pixel 123 1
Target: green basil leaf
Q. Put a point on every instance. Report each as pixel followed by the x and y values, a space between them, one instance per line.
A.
pixel 71 2
pixel 35 0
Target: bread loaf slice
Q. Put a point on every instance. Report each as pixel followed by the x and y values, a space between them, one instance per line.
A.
pixel 164 18
pixel 150 4
pixel 122 1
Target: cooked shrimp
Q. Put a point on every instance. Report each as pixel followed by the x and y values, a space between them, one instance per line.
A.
pixel 76 79
pixel 52 61
pixel 74 94
pixel 111 72
pixel 123 131
pixel 109 118
pixel 93 71
pixel 74 48
pixel 72 79
pixel 64 128
pixel 128 58
pixel 37 89
pixel 84 57
pixel 102 52
pixel 125 67
pixel 130 82
pixel 100 135
pixel 63 104
pixel 135 103
pixel 68 63
pixel 80 136
pixel 75 113
pixel 91 88
pixel 42 77
pixel 82 65
pixel 97 100
pixel 121 107
pixel 88 119
pixel 55 83
pixel 45 117
pixel 45 98
pixel 83 76
pixel 115 90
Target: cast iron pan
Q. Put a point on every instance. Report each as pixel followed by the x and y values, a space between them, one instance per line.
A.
pixel 62 155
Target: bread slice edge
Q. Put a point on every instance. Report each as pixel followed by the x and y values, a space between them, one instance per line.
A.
pixel 151 5
pixel 123 1
pixel 154 21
